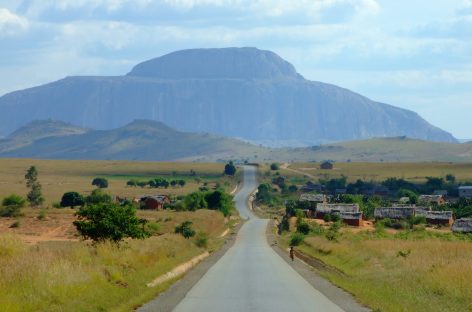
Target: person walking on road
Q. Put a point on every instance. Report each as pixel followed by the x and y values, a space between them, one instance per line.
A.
pixel 292 253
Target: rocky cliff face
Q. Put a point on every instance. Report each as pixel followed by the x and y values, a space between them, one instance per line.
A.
pixel 238 92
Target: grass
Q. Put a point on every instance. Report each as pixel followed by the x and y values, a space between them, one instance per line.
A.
pixel 415 271
pixel 416 172
pixel 73 276
pixel 60 176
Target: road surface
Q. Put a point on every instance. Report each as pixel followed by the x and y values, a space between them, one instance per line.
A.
pixel 251 276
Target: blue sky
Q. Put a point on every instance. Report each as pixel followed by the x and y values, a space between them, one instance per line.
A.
pixel 412 54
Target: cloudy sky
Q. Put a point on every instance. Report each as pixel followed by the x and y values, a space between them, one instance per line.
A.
pixel 413 54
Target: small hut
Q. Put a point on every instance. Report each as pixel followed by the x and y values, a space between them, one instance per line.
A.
pixel 326 165
pixel 154 202
pixel 398 212
pixel 315 198
pixel 463 225
pixel 432 199
pixel 439 218
pixel 351 218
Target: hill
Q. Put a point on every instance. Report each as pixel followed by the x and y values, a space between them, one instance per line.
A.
pixel 234 92
pixel 139 140
pixel 153 141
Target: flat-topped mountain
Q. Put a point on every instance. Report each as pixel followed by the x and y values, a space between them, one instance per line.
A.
pixel 235 92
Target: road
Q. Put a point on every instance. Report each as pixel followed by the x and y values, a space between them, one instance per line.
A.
pixel 251 276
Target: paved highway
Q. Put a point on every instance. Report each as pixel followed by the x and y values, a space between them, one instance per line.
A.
pixel 251 276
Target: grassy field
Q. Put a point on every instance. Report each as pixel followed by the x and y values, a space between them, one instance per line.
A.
pixel 60 176
pixel 71 275
pixel 406 271
pixel 380 171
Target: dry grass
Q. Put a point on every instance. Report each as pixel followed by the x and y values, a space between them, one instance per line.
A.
pixel 381 171
pixel 432 275
pixel 60 176
pixel 73 276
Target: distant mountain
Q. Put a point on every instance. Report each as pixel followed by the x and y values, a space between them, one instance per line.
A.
pixel 139 140
pixel 153 141
pixel 234 92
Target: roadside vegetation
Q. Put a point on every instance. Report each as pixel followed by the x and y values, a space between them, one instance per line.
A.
pixel 100 246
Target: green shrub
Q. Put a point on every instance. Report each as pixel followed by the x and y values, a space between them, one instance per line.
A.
pixel 41 214
pixel 100 182
pixel 153 228
pixel 274 166
pixel 335 218
pixel 303 228
pixel 296 239
pixel 333 231
pixel 185 228
pixel 12 206
pixel 201 240
pixel 72 199
pixel 327 217
pixel 15 224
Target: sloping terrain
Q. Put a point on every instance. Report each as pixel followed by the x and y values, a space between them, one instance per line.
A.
pixel 235 92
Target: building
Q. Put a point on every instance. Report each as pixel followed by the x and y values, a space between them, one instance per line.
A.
pixel 439 218
pixel 315 198
pixel 432 199
pixel 422 211
pixel 323 209
pixel 396 212
pixel 465 191
pixel 156 202
pixel 351 218
pixel 327 165
pixel 463 225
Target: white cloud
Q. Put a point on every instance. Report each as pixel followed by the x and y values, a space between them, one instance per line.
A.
pixel 11 23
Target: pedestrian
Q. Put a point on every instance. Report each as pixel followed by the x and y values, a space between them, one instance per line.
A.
pixel 292 253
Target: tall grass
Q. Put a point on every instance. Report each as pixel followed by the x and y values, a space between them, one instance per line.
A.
pixel 418 273
pixel 74 276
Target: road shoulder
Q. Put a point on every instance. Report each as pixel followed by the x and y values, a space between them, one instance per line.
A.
pixel 337 295
pixel 168 300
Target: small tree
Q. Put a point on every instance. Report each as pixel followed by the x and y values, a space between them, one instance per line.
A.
pixel 230 169
pixel 34 196
pixel 182 183
pixel 12 206
pixel 185 228
pixel 195 201
pixel 132 182
pixel 100 182
pixel 274 166
pixel 98 196
pixel 72 199
pixel 109 221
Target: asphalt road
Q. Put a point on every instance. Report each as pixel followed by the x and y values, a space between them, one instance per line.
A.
pixel 251 276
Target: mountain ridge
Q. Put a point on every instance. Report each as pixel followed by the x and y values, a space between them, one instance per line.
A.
pixel 259 97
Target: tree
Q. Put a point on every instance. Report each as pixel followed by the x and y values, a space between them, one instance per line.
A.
pixel 34 196
pixel 12 206
pixel 173 183
pixel 109 221
pixel 100 182
pixel 451 178
pixel 182 183
pixel 72 199
pixel 274 166
pixel 219 200
pixel 98 196
pixel 185 228
pixel 195 201
pixel 132 182
pixel 230 169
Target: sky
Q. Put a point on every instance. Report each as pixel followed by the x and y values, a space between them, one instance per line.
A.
pixel 411 54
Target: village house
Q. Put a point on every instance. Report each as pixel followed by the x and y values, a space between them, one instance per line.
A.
pixel 422 211
pixel 351 218
pixel 465 191
pixel 327 165
pixel 315 198
pixel 439 218
pixel 396 212
pixel 432 199
pixel 463 225
pixel 323 209
pixel 156 202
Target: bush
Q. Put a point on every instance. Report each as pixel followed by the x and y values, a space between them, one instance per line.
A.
pixel 100 182
pixel 41 214
pixel 12 206
pixel 335 218
pixel 303 228
pixel 296 239
pixel 153 228
pixel 15 224
pixel 284 225
pixel 274 166
pixel 327 217
pixel 98 196
pixel 201 240
pixel 185 228
pixel 72 199
pixel 333 231
pixel 109 221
